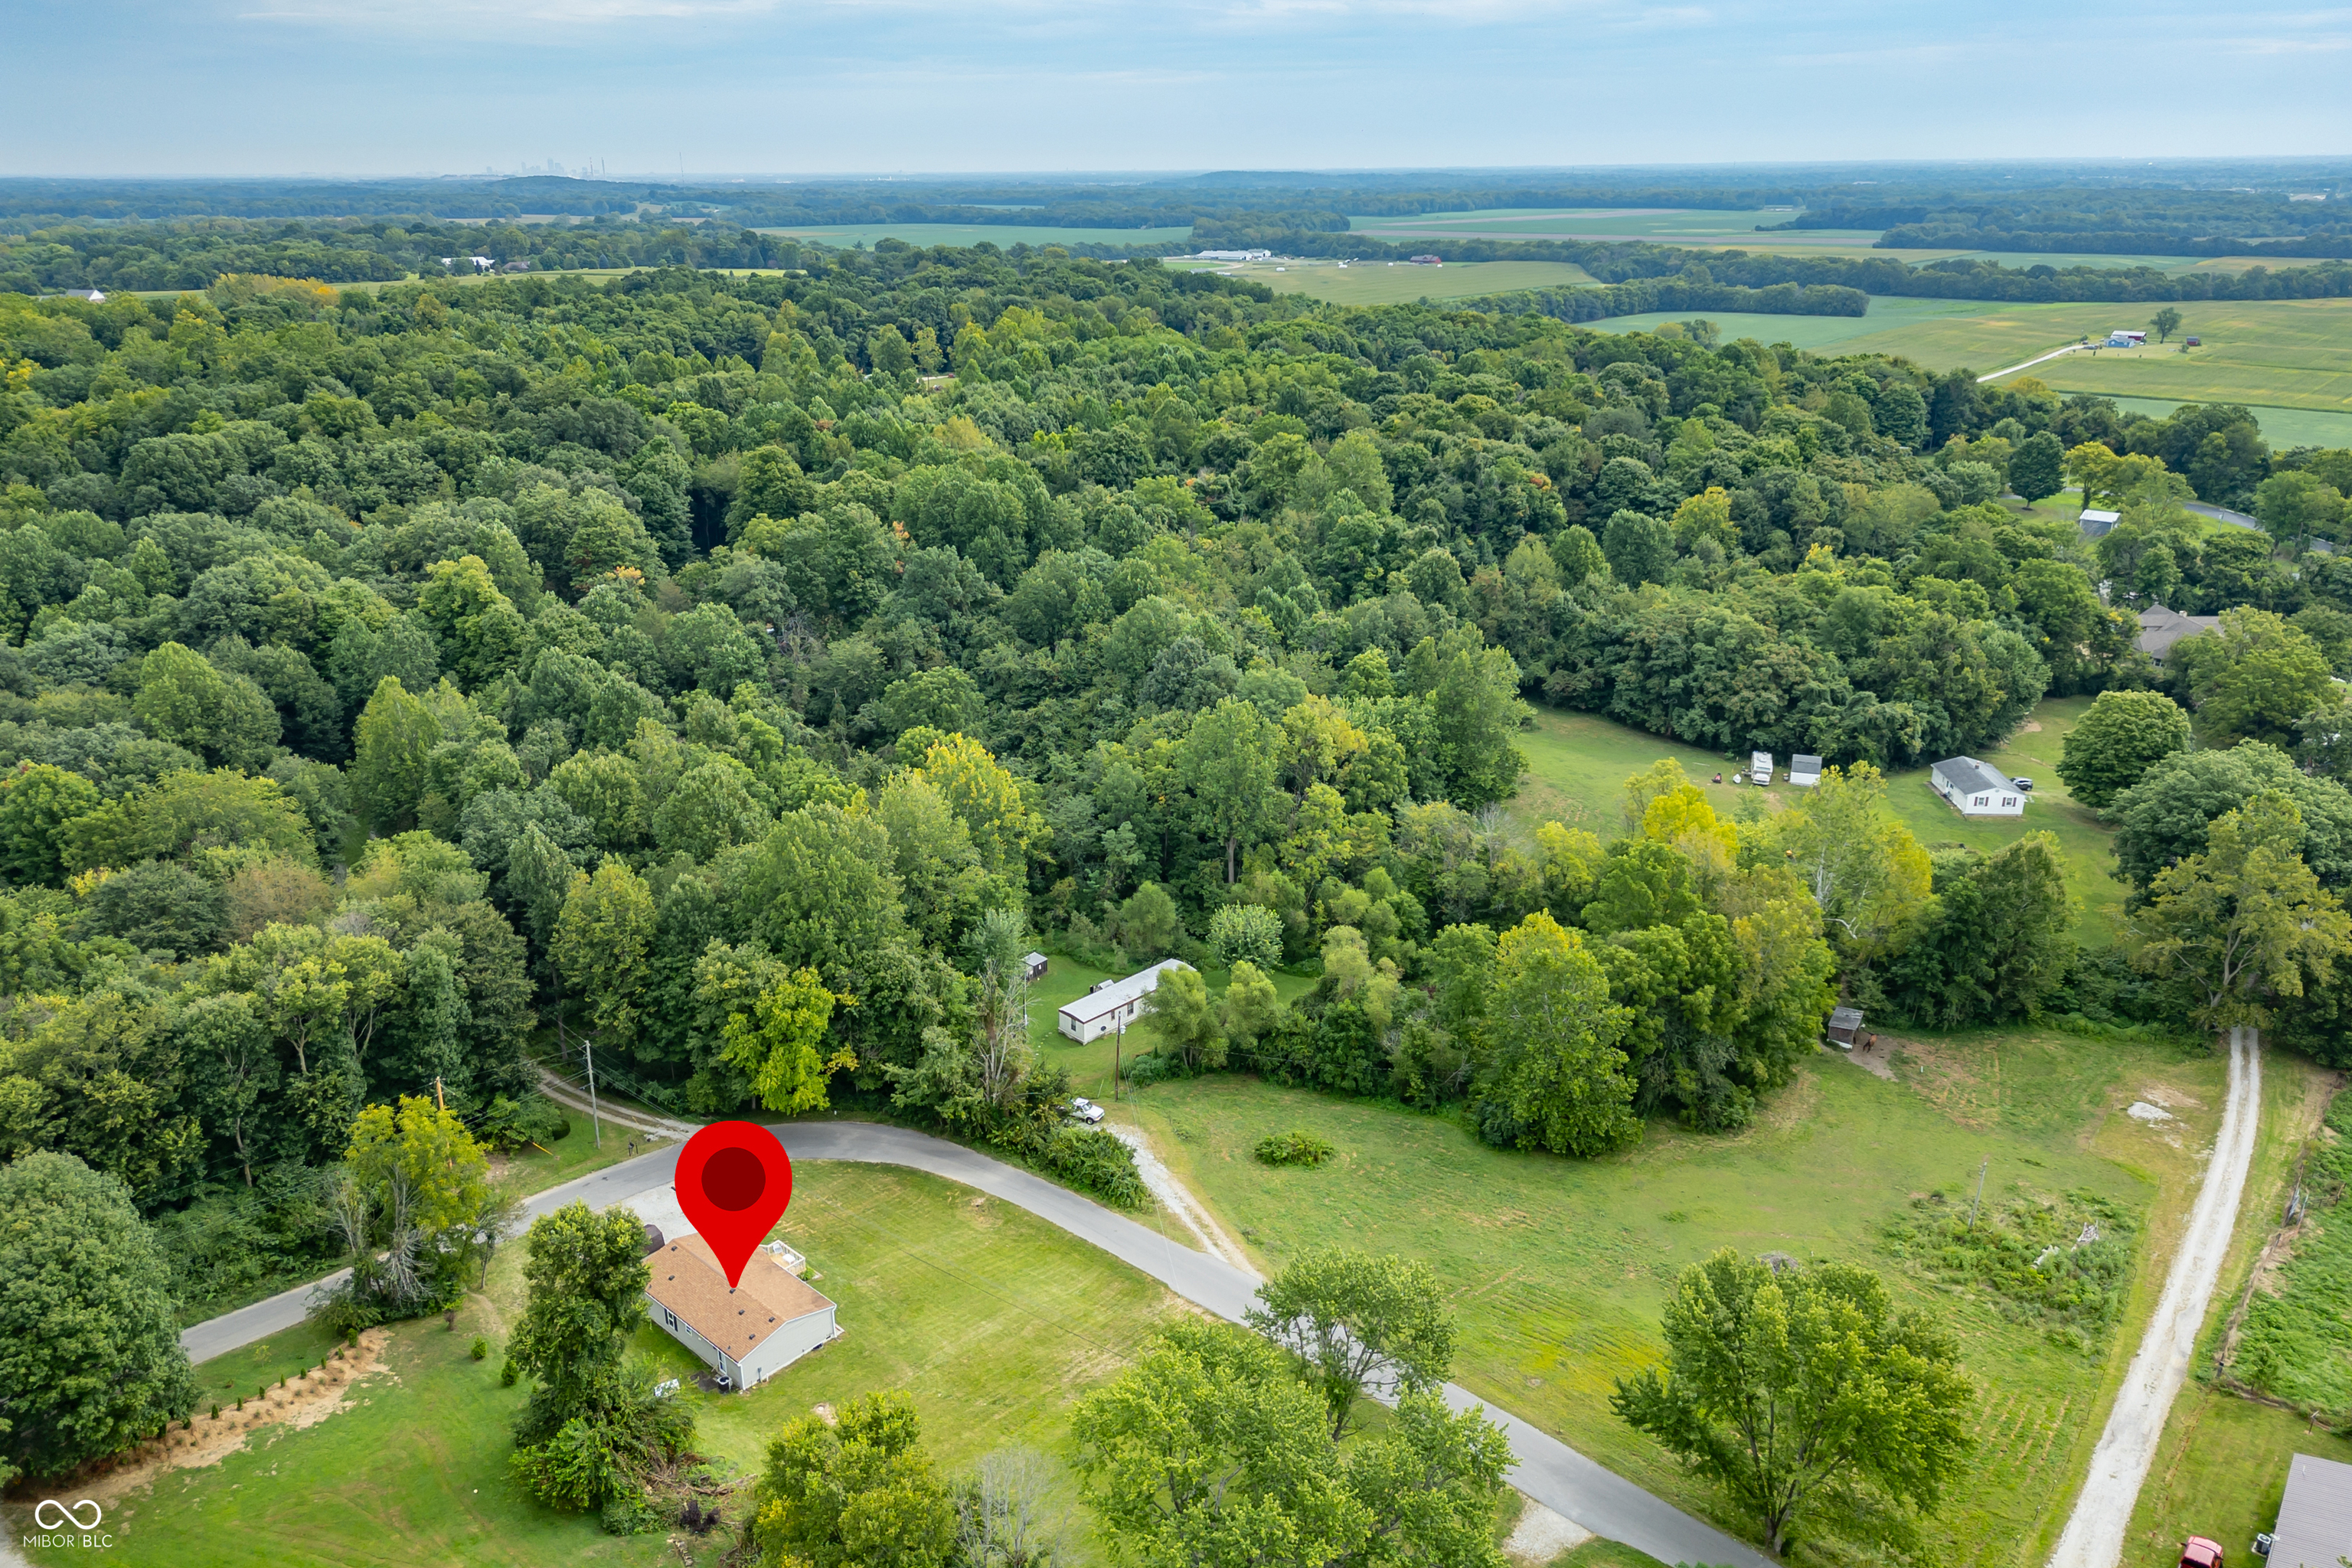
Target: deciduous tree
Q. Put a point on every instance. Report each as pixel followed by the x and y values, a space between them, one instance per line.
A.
pixel 1349 1315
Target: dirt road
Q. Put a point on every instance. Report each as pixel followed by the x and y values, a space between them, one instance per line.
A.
pixel 2093 1536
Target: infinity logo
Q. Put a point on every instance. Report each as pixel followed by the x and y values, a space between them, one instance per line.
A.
pixel 51 1514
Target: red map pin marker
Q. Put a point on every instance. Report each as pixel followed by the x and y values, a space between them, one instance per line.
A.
pixel 733 1181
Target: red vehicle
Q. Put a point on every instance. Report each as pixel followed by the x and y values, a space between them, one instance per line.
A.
pixel 2199 1552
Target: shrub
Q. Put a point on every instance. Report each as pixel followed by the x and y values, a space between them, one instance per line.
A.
pixel 1294 1148
pixel 509 1373
pixel 1094 1161
pixel 480 1349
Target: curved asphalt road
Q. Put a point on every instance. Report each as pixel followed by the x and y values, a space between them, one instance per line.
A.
pixel 1547 1470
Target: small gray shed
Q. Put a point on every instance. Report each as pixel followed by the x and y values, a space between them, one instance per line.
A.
pixel 1846 1027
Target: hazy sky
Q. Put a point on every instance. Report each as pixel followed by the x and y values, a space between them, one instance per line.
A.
pixel 806 86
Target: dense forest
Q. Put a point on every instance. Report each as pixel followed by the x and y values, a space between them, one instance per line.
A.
pixel 745 671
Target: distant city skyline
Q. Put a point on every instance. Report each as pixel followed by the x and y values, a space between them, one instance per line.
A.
pixel 646 86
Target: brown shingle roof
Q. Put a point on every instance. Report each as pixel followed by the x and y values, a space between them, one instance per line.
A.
pixel 688 1281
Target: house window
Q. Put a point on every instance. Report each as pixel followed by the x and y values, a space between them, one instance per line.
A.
pixel 2009 800
pixel 1981 800
pixel 669 1320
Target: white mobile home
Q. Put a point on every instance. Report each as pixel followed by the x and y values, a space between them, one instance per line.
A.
pixel 1114 1004
pixel 1975 789
pixel 747 1333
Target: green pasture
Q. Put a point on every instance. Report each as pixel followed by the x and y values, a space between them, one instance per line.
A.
pixel 1560 1268
pixel 995 1320
pixel 1400 282
pixel 1004 236
pixel 1578 764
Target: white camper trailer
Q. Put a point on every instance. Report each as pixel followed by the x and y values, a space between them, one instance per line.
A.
pixel 1760 766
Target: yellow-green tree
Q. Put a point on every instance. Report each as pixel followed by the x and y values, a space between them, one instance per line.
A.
pixel 1559 1073
pixel 1864 870
pixel 771 1021
pixel 424 1146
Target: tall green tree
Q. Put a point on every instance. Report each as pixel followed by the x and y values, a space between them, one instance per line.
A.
pixel 1558 1080
pixel 1227 760
pixel 861 1491
pixel 1864 869
pixel 224 719
pixel 89 1341
pixel 1995 944
pixel 2037 470
pixel 2244 921
pixel 1820 1408
pixel 601 941
pixel 2252 679
pixel 2112 747
pixel 36 801
pixel 1348 1315
pixel 1209 1451
pixel 392 742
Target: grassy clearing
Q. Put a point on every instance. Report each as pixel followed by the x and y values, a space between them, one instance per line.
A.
pixel 1558 1269
pixel 1004 236
pixel 1578 763
pixel 1090 1065
pixel 994 1320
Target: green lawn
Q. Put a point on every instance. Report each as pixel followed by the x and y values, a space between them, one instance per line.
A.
pixel 1663 227
pixel 1558 1269
pixel 995 1320
pixel 2282 427
pixel 1090 1065
pixel 1578 763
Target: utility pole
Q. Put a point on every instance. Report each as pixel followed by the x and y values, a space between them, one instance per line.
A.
pixel 588 1044
pixel 1118 1053
pixel 438 1098
pixel 1979 1197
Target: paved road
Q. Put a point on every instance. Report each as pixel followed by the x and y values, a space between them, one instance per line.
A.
pixel 2027 364
pixel 1548 1471
pixel 2093 1536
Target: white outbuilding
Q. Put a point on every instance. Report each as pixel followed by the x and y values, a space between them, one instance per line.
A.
pixel 1804 771
pixel 1975 789
pixel 1114 1004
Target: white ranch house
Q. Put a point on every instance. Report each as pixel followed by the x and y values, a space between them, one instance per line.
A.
pixel 746 1332
pixel 1975 789
pixel 1114 1004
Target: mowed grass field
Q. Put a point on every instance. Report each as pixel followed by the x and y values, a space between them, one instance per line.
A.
pixel 1578 764
pixel 994 1321
pixel 1821 334
pixel 1558 1269
pixel 1400 283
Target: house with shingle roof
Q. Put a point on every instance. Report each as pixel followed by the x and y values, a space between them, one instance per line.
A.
pixel 748 1332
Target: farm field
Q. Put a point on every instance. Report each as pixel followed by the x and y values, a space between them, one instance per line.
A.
pixel 1397 283
pixel 2283 427
pixel 1662 225
pixel 1576 764
pixel 1558 1269
pixel 1817 334
pixel 994 1321
pixel 1004 236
